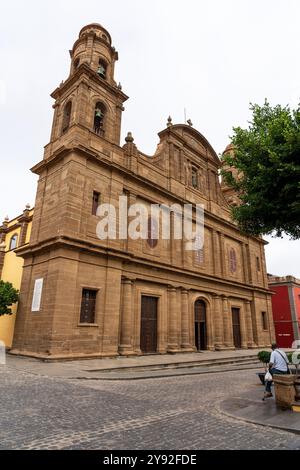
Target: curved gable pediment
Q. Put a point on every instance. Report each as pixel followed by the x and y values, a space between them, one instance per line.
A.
pixel 193 139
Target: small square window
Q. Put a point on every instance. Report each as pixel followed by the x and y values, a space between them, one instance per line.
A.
pixel 96 202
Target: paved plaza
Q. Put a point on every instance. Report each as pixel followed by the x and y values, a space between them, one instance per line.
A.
pixel 184 412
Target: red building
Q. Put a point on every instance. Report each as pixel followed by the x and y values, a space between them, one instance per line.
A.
pixel 286 309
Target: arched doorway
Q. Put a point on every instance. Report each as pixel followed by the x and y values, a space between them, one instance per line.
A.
pixel 200 326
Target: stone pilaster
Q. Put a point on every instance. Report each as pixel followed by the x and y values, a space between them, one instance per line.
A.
pixel 172 321
pixel 185 330
pixel 222 254
pixel 24 221
pixel 216 254
pixel 270 320
pixel 2 256
pixel 3 232
pixel 244 335
pixel 249 325
pixel 126 339
pixel 218 323
pixel 249 264
pixel 245 263
pixel 264 275
pixel 210 329
pixel 130 244
pixel 227 324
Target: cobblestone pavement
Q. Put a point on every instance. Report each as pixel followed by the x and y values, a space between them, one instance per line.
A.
pixel 169 413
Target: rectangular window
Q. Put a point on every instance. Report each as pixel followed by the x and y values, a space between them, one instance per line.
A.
pixel 194 178
pixel 257 263
pixel 199 256
pixel 264 320
pixel 88 306
pixel 96 202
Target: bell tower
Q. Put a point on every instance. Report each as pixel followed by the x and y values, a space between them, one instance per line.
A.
pixel 90 97
pixel 66 266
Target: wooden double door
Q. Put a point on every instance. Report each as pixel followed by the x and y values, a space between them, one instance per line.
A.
pixel 200 326
pixel 148 342
pixel 236 328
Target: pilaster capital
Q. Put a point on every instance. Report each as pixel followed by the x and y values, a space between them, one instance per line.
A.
pixel 171 288
pixel 184 290
pixel 127 280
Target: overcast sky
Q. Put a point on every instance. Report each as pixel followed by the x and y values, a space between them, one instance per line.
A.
pixel 211 57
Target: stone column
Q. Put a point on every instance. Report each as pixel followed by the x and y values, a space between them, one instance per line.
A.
pixel 244 336
pixel 185 328
pixel 218 323
pixel 172 321
pixel 126 343
pixel 249 324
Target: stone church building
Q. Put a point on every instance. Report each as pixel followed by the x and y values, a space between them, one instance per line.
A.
pixel 82 296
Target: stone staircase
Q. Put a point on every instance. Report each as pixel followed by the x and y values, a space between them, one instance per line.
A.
pixel 179 368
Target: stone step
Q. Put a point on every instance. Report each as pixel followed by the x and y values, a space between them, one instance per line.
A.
pixel 243 360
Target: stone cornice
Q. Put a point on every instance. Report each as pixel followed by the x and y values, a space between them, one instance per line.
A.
pixel 25 218
pixel 97 38
pixel 78 77
pixel 73 243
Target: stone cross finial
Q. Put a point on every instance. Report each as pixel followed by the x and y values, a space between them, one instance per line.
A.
pixel 189 122
pixel 169 123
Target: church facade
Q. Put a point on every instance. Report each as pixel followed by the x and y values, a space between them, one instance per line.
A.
pixel 86 297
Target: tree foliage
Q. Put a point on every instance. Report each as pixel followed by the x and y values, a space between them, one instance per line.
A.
pixel 267 160
pixel 264 356
pixel 8 296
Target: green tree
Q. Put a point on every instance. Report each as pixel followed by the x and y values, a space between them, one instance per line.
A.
pixel 8 296
pixel 267 160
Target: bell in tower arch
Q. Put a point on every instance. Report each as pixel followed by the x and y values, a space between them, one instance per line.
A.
pixel 99 116
pixel 102 69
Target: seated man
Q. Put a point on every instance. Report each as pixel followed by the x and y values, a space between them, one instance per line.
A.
pixel 278 365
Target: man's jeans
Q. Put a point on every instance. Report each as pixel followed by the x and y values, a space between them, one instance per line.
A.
pixel 272 372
